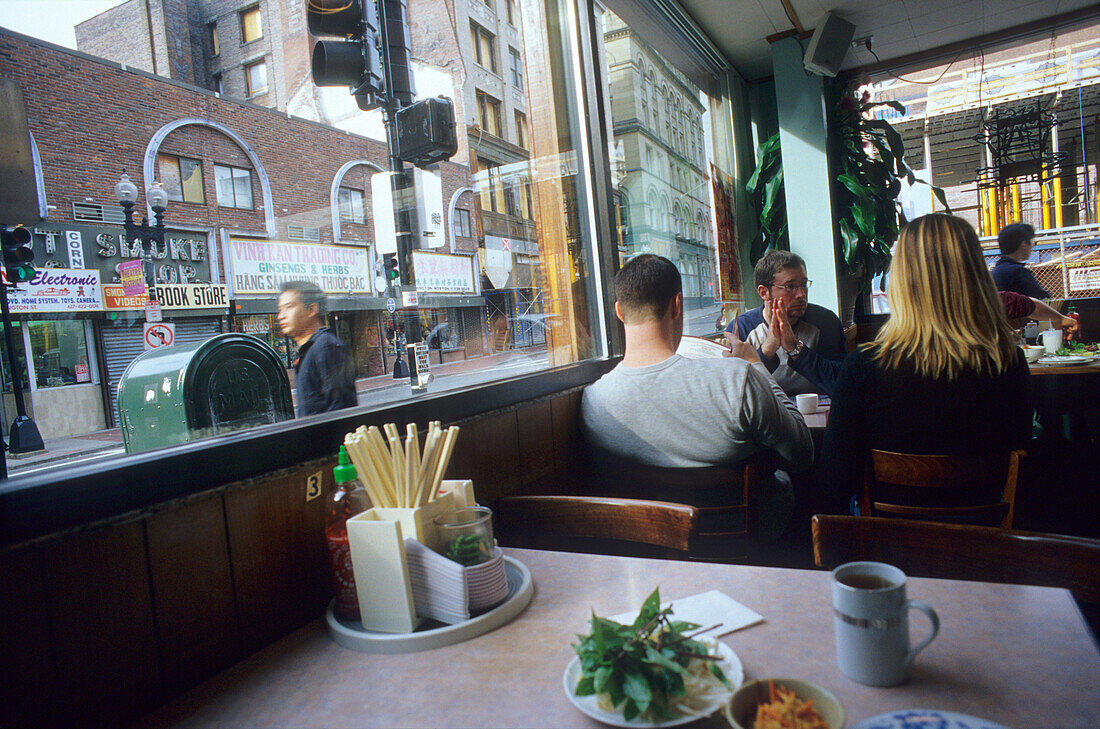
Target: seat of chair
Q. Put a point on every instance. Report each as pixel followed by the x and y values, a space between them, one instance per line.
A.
pixel 977 489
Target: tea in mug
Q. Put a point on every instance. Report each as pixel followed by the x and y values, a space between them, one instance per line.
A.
pixel 865 582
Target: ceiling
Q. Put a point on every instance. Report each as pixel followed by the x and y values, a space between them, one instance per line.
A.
pixel 900 28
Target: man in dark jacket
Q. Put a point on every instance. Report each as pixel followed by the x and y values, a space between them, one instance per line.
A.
pixel 1009 272
pixel 325 380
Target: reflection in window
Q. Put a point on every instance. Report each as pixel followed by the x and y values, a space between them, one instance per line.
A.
pixel 351 205
pixel 234 187
pixel 60 352
pixel 255 76
pixel 181 178
pixel 516 64
pixel 251 28
pixel 521 129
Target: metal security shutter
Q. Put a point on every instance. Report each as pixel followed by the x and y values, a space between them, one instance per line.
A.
pixel 123 342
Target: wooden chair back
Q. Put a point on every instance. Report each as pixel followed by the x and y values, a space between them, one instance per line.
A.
pixel 967 489
pixel 961 552
pixel 559 522
pixel 851 337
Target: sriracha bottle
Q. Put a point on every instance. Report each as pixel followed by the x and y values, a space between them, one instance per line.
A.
pixel 348 499
pixel 1071 312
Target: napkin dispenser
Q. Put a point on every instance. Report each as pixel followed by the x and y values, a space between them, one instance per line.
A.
pixel 376 538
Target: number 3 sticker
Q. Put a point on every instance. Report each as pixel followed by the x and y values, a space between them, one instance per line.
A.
pixel 313 486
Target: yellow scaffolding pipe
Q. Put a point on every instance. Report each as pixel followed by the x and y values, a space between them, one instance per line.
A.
pixel 1045 199
pixel 1016 212
pixel 1058 201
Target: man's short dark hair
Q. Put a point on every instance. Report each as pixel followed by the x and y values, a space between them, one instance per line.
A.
pixel 768 267
pixel 308 293
pixel 1013 236
pixel 645 286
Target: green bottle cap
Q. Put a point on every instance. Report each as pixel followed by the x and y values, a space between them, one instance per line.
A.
pixel 344 470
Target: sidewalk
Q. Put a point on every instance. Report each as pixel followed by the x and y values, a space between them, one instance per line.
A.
pixel 73 446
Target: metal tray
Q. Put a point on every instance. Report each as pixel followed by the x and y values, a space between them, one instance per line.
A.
pixel 350 633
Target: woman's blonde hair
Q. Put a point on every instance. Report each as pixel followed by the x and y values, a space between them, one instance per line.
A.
pixel 946 316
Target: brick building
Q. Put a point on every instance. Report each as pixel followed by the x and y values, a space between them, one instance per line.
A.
pixel 238 175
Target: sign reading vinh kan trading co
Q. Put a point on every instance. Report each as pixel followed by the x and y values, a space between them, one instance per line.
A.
pixel 260 267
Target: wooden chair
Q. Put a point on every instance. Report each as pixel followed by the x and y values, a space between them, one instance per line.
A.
pixel 941 488
pixel 851 337
pixel 596 523
pixel 724 497
pixel 962 552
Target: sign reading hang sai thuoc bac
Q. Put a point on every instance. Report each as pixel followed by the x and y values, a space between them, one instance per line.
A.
pixel 172 297
pixel 55 290
pixel 261 266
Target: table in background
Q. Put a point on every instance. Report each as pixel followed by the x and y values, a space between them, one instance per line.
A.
pixel 1020 656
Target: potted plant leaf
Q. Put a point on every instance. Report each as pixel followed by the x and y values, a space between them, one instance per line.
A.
pixel 866 160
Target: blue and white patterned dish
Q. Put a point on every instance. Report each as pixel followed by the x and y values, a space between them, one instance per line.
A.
pixel 926 719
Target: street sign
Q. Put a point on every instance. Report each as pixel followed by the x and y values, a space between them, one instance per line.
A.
pixel 159 335
pixel 409 298
pixel 391 305
pixel 153 312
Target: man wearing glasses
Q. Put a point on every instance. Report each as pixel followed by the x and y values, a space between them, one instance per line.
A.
pixel 801 344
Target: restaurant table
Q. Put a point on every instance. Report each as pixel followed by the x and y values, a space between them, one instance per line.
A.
pixel 1017 655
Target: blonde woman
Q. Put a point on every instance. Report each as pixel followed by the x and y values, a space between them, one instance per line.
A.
pixel 944 375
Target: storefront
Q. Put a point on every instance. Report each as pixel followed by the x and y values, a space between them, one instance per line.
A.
pixel 513 304
pixel 451 315
pixel 196 312
pixel 54 340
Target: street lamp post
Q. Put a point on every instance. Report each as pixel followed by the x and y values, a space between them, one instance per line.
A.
pixel 126 192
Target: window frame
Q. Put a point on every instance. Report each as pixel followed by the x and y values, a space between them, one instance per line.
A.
pixel 353 194
pixel 215 46
pixel 462 229
pixel 477 33
pixel 248 66
pixel 217 195
pixel 243 14
pixel 515 65
pixel 163 157
pixel 485 101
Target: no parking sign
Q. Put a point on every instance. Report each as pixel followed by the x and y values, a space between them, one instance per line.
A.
pixel 159 334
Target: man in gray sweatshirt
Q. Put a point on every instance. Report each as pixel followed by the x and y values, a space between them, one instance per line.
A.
pixel 662 409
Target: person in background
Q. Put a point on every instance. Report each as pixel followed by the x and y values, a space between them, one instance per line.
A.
pixel 1009 272
pixel 943 375
pixel 661 409
pixel 801 344
pixel 324 376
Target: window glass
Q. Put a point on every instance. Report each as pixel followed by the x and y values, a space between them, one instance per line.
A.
pixel 214 47
pixel 181 178
pixel 509 291
pixel 60 352
pixel 234 187
pixel 251 29
pixel 256 78
pixel 517 68
pixel 351 205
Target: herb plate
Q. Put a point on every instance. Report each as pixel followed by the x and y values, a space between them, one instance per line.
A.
pixel 730 665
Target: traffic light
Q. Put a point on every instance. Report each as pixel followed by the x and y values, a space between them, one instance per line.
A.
pixel 356 62
pixel 389 264
pixel 17 255
pixel 426 132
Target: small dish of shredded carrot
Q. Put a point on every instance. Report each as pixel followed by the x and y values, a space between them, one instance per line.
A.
pixel 784 710
pixel 783 703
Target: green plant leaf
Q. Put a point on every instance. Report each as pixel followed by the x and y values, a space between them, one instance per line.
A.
pixel 636 688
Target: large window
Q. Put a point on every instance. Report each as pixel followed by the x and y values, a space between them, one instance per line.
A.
pixel 181 178
pixel 251 25
pixel 234 187
pixel 521 129
pixel 485 47
pixel 60 353
pixel 516 65
pixel 461 223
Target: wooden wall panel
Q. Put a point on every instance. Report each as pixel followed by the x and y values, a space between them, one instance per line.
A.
pixel 276 546
pixel 535 429
pixel 27 687
pixel 100 607
pixel 487 451
pixel 565 412
pixel 193 592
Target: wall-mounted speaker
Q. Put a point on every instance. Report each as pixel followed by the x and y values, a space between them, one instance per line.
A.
pixel 829 45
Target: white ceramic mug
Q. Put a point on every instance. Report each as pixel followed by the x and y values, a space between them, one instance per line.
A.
pixel 1052 340
pixel 807 404
pixel 871 621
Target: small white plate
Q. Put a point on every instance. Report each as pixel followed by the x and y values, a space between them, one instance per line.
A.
pixel 924 719
pixel 1064 359
pixel 730 665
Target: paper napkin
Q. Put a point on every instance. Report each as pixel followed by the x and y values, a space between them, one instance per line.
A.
pixel 706 608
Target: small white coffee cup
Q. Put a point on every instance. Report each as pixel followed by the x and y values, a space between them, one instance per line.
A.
pixel 1052 340
pixel 871 622
pixel 807 404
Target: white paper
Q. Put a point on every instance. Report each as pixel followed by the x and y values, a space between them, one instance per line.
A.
pixel 704 609
pixel 699 348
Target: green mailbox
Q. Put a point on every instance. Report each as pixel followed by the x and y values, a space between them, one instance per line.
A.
pixel 184 392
